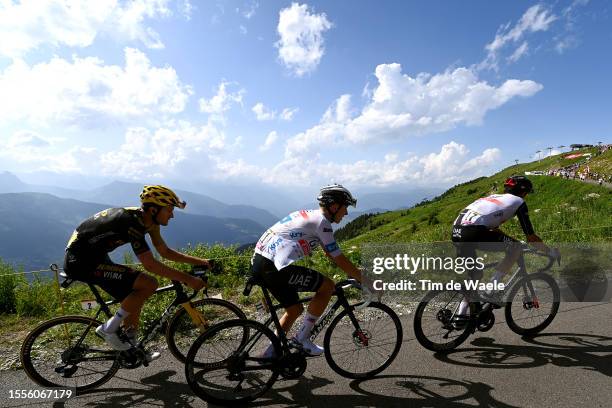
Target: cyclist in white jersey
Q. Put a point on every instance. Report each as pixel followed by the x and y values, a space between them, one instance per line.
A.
pixel 477 227
pixel 293 238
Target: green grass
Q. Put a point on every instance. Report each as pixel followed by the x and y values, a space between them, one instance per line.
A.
pixel 561 210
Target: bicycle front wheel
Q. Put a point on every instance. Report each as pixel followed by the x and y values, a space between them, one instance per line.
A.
pixel 362 343
pixel 225 369
pixel 436 325
pixel 182 330
pixel 66 352
pixel 532 304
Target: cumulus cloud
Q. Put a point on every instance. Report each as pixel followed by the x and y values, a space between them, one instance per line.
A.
pixel 536 18
pixel 147 153
pixel 270 140
pixel 262 112
pixel 26 139
pixel 27 25
pixel 222 101
pixel 86 92
pixel 402 106
pixel 452 164
pixel 301 44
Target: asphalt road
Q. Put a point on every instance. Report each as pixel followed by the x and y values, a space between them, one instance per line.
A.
pixel 569 365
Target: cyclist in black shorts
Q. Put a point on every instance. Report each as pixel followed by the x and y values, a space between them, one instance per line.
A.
pixel 477 227
pixel 87 258
pixel 293 238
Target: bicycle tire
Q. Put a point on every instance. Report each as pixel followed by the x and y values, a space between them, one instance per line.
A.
pixel 375 320
pixel 60 333
pixel 437 312
pixel 181 331
pixel 220 360
pixel 515 311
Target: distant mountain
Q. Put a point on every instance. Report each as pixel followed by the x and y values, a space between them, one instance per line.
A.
pixel 123 194
pixel 118 193
pixel 9 183
pixel 34 228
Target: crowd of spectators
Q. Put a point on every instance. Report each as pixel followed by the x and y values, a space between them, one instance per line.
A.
pixel 581 170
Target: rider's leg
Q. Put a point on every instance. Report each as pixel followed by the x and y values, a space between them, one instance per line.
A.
pixel 290 316
pixel 144 287
pixel 316 307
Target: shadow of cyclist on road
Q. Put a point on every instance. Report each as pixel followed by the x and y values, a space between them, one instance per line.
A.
pixel 559 349
pixel 157 389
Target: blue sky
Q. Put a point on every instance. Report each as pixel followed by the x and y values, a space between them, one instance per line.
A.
pixel 374 95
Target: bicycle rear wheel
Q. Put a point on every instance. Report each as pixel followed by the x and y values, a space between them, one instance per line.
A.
pixel 182 331
pixel 225 369
pixel 532 304
pixel 364 350
pixel 436 326
pixel 66 352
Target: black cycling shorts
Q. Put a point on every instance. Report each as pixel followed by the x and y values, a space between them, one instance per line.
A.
pixel 468 238
pixel 285 284
pixel 117 280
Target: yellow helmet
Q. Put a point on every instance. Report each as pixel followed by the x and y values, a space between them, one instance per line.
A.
pixel 160 195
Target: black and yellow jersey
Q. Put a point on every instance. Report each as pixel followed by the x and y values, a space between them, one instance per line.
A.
pixel 109 229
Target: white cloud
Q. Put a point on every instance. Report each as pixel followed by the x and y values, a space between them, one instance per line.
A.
pixel 301 44
pixel 536 18
pixel 402 106
pixel 452 164
pixel 158 153
pixel 270 140
pixel 26 139
pixel 86 92
pixel 27 25
pixel 262 112
pixel 519 52
pixel 288 113
pixel 222 101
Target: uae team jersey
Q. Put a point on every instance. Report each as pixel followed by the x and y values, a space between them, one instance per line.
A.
pixel 494 210
pixel 296 236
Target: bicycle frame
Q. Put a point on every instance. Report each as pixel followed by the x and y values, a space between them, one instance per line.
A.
pixel 181 299
pixel 323 321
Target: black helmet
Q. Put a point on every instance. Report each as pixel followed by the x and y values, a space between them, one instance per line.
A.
pixel 336 193
pixel 518 184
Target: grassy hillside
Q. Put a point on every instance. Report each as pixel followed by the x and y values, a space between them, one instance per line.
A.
pixel 559 209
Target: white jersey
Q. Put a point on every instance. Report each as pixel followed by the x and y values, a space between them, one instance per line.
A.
pixel 296 236
pixel 492 211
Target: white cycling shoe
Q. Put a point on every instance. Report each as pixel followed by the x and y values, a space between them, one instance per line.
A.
pixel 113 340
pixel 152 355
pixel 310 348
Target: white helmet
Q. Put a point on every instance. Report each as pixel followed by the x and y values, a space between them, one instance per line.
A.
pixel 336 193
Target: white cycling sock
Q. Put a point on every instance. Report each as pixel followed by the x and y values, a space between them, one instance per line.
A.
pixel 112 325
pixel 463 307
pixel 307 323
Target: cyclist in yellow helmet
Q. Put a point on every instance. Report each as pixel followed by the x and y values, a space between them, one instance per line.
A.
pixel 87 258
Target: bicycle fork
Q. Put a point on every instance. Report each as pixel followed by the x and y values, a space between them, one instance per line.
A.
pixel 197 318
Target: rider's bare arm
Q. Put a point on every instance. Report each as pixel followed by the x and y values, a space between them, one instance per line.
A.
pixel 348 267
pixel 171 254
pixel 154 266
pixel 537 242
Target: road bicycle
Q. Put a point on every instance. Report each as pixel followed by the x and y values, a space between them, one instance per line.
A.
pixel 66 352
pixel 531 303
pixel 226 365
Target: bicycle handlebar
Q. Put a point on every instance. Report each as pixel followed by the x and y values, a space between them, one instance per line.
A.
pixel 551 259
pixel 369 296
